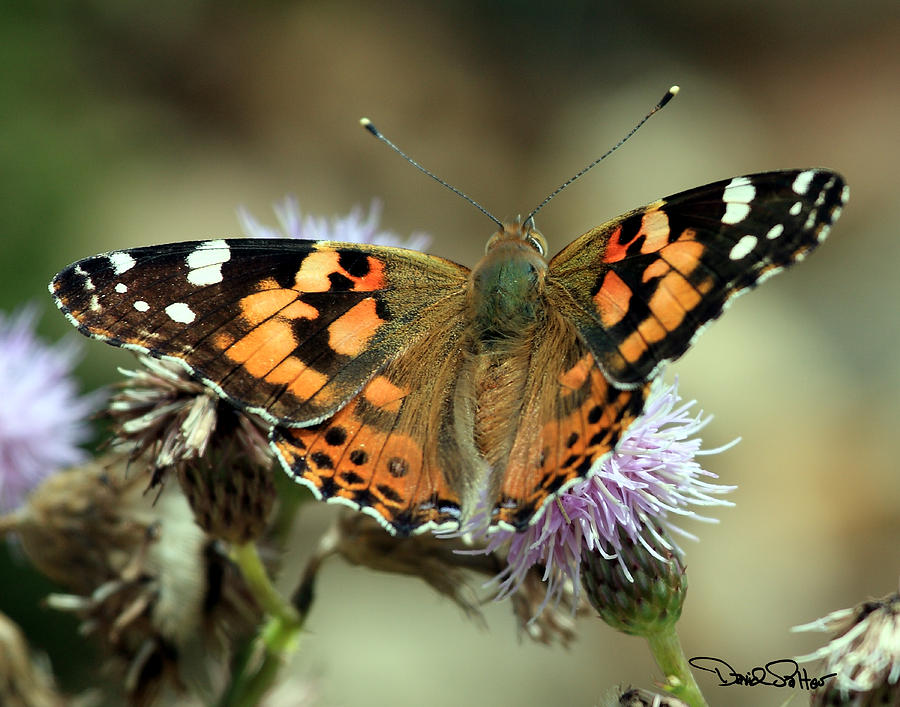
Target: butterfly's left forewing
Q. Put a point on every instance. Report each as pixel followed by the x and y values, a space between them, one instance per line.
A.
pixel 288 329
pixel 640 287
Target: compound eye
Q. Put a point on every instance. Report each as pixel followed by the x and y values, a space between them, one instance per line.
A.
pixel 536 241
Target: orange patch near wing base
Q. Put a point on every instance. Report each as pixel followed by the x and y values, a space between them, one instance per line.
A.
pixel 317 267
pixel 350 334
pixel 577 375
pixel 314 271
pixel 383 394
pixel 654 230
pixel 612 299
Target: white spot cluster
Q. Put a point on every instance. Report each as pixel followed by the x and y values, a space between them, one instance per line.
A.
pixel 141 306
pixel 743 247
pixel 121 262
pixel 811 219
pixel 737 195
pixel 802 181
pixel 836 211
pixel 180 312
pixel 121 288
pixel 205 262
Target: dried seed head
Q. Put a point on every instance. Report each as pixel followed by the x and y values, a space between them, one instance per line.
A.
pixel 220 455
pixel 863 655
pixel 158 594
pixel 638 697
pixel 24 681
pixel 539 620
pixel 360 540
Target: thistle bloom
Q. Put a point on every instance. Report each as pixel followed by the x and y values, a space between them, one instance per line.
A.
pixel 42 419
pixel 652 475
pixel 353 228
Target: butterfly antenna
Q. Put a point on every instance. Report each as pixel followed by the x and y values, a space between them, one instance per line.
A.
pixel 670 94
pixel 367 124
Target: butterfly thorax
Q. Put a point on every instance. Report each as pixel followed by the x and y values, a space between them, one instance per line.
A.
pixel 507 286
pixel 508 309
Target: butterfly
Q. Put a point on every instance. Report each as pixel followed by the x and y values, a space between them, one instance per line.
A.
pixel 422 392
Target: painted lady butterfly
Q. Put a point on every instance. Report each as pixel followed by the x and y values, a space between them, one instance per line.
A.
pixel 414 388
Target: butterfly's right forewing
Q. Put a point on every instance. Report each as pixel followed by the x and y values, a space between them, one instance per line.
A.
pixel 641 287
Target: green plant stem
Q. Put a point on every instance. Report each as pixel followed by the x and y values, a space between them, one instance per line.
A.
pixel 257 667
pixel 667 651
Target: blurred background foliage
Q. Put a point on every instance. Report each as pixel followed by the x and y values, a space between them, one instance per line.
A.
pixel 125 123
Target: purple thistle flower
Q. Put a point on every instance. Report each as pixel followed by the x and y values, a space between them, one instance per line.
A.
pixel 42 419
pixel 353 228
pixel 651 475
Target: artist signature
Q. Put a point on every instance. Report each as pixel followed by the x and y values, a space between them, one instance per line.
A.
pixel 775 673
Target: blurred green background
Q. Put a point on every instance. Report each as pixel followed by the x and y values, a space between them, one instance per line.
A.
pixel 125 123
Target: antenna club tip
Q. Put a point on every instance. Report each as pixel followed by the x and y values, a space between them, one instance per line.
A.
pixel 670 94
pixel 367 124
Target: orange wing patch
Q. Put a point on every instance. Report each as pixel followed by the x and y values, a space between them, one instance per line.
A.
pixel 351 333
pixel 318 269
pixel 383 472
pixel 590 422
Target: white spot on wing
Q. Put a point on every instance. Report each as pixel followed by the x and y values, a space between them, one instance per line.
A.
pixel 121 262
pixel 845 193
pixel 141 306
pixel 121 287
pixel 802 181
pixel 737 195
pixel 795 209
pixel 205 262
pixel 88 283
pixel 95 303
pixel 735 213
pixel 775 231
pixel 180 312
pixel 811 219
pixel 743 247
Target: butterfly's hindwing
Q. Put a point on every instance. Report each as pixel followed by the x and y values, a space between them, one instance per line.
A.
pixel 288 329
pixel 640 287
pixel 571 418
pixel 392 451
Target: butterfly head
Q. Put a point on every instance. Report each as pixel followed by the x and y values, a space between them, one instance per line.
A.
pixel 516 234
pixel 508 283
